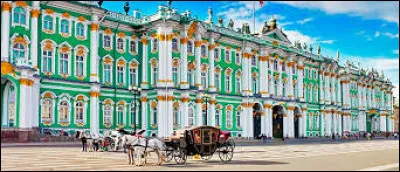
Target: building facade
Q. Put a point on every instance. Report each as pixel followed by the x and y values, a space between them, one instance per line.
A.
pixel 69 66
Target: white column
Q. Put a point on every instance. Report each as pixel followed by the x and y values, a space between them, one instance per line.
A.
pixel 285 124
pixel 145 82
pixel 264 74
pixel 34 33
pixel 246 69
pixel 184 108
pixel 272 81
pixel 211 49
pixel 304 120
pixel 198 61
pixel 5 29
pixel 334 91
pixel 280 83
pixel 165 57
pixel 339 88
pixel 334 123
pixel 211 119
pixel 340 131
pixel 300 68
pixel 94 112
pixel 328 115
pixel 373 97
pixel 165 118
pixel 199 110
pixel 24 103
pixel 290 78
pixel 36 102
pixel 94 49
pixel 383 123
pixel 144 103
pixel 321 91
pixel 322 117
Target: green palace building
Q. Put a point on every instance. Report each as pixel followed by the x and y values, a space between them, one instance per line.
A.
pixel 75 66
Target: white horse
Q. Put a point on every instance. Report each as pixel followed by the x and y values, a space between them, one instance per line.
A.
pixel 86 140
pixel 142 147
pixel 116 138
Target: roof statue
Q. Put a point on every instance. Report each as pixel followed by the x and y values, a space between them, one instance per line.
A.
pixel 272 23
pixel 311 48
pixel 220 21
pixel 210 13
pixel 99 3
pixel 169 4
pixel 126 7
pixel 337 55
pixel 231 23
pixel 246 28
pixel 319 50
pixel 265 28
pixel 304 46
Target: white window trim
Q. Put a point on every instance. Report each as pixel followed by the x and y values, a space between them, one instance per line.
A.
pixel 84 111
pixel 27 51
pixel 226 119
pixel 53 102
pixel 218 87
pixel 152 113
pixel 177 50
pixel 218 51
pixel 206 51
pixel 136 114
pixel 54 23
pixel 111 110
pixel 111 69
pixel 69 28
pixel 123 114
pixel 219 117
pixel 137 72
pixel 54 45
pixel 59 53
pixel 111 43
pixel 193 117
pixel 229 56
pixel 191 53
pixel 27 16
pixel 136 47
pixel 85 56
pixel 256 64
pixel 239 57
pixel 152 47
pixel 152 73
pixel 123 75
pixel 123 50
pixel 67 99
pixel 240 116
pixel 84 30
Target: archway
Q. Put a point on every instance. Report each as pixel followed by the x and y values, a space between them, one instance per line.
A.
pixel 257 110
pixel 8 103
pixel 277 112
pixel 296 122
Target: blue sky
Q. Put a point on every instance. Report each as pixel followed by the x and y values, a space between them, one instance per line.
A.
pixel 364 31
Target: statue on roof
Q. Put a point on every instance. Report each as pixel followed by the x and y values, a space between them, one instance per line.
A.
pixel 311 48
pixel 169 4
pixel 210 13
pixel 220 21
pixel 126 7
pixel 337 55
pixel 272 23
pixel 99 3
pixel 246 28
pixel 231 23
pixel 265 28
pixel 304 46
pixel 319 50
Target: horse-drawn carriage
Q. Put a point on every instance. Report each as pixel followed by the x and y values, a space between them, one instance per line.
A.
pixel 201 140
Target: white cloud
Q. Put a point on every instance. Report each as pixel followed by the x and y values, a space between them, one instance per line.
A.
pixel 360 32
pixel 327 41
pixel 376 34
pixel 294 35
pixel 391 35
pixel 396 51
pixel 388 11
pixel 305 20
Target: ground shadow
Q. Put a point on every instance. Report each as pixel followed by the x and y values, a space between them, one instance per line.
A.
pixel 247 162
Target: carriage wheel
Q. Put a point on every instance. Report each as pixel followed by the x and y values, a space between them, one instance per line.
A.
pixel 180 156
pixel 169 154
pixel 206 157
pixel 226 152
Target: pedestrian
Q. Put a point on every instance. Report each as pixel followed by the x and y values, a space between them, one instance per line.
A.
pixel 395 135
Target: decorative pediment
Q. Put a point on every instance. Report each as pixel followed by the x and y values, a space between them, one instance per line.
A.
pixel 276 34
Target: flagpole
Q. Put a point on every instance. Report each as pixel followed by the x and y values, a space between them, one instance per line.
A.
pixel 254 17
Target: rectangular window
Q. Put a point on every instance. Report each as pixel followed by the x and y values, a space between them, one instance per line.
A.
pixel 107 73
pixel 64 64
pixel 132 76
pixel 238 85
pixel 217 117
pixel 120 75
pixel 237 58
pixel 47 61
pixel 175 76
pixel 228 83
pixel 155 75
pixel 79 66
pixel 204 79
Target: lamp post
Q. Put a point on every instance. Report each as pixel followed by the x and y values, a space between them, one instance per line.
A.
pixel 136 91
pixel 207 96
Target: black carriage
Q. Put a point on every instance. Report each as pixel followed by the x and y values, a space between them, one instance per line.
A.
pixel 201 140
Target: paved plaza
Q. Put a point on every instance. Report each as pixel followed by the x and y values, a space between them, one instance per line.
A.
pixel 360 155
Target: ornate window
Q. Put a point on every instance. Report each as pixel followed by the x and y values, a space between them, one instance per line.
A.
pixel 316 93
pixel 216 54
pixel 204 115
pixel 133 76
pixel 253 61
pixel 227 56
pixel 154 45
pixel 79 66
pixel 238 84
pixel 310 91
pixel 190 47
pixel 283 66
pixel 217 81
pixel 19 16
pixel 120 114
pixel 154 71
pixel 107 114
pixel 190 77
pixel 19 51
pixel 47 110
pixel 229 119
pixel 48 23
pixel 80 31
pixel 79 112
pixel 293 70
pixel 237 58
pixel 309 73
pixel 310 121
pixel 190 116
pixel 203 51
pixel 275 65
pixel 47 62
pixel 133 47
pixel 64 111
pixel 107 41
pixel 64 27
pixel 204 78
pixel 175 72
pixel 227 82
pixel 238 118
pixel 120 44
pixel 154 115
pixel 64 63
pixel 134 114
pixel 120 74
pixel 175 113
pixel 317 121
pixel 255 85
pixel 175 45
pixel 107 73
pixel 218 117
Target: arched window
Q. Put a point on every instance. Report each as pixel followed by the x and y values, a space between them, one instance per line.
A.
pixel 227 82
pixel 175 75
pixel 133 47
pixel 120 114
pixel 190 77
pixel 237 57
pixel 64 26
pixel 275 65
pixel 18 51
pixel 254 61
pixel 47 61
pixel 174 44
pixel 155 75
pixel 154 115
pixel 217 81
pixel 204 116
pixel 107 73
pixel 19 15
pixel 175 113
pixel 79 112
pixel 228 119
pixel 203 51
pixel 64 63
pixel 133 76
pixel 316 93
pixel 155 45
pixel 48 23
pixel 120 44
pixel 227 56
pixel 47 110
pixel 238 118
pixel 238 84
pixel 107 114
pixel 216 54
pixel 80 30
pixel 107 41
pixel 79 66
pixel 293 70
pixel 190 47
pixel 218 117
pixel 64 111
pixel 190 116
